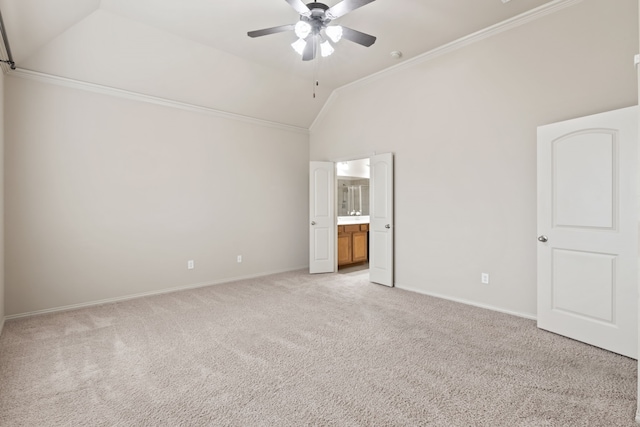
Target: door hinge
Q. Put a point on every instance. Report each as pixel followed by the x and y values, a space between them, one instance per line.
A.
pixel 636 60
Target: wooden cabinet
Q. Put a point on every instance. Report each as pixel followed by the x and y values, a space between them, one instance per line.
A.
pixel 353 243
pixel 345 253
pixel 359 246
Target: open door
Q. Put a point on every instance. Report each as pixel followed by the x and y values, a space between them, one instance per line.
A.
pixel 381 220
pixel 588 231
pixel 322 221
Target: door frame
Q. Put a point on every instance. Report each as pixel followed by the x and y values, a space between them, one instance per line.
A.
pixel 636 63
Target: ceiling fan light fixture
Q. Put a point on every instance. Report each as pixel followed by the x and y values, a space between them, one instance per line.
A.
pixel 326 49
pixel 313 29
pixel 299 46
pixel 334 32
pixel 302 29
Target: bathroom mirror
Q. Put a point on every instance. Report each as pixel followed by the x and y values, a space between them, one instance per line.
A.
pixel 353 188
pixel 353 197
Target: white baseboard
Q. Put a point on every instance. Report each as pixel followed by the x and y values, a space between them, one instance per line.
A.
pixel 638 417
pixel 145 294
pixel 468 302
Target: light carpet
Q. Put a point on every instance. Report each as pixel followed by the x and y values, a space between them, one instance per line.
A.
pixel 293 349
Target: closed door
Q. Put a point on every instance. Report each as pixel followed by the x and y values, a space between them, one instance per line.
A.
pixel 587 230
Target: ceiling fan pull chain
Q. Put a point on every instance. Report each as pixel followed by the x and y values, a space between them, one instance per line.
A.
pixel 315 76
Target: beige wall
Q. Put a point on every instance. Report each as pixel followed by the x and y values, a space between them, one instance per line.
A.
pixel 463 130
pixel 109 197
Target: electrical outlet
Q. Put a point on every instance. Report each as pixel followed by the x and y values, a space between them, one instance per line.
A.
pixel 484 278
pixel 239 258
pixel 190 265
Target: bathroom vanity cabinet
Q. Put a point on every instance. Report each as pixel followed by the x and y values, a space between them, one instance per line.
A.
pixel 353 243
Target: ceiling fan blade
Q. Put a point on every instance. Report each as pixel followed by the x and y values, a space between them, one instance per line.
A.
pixel 273 30
pixel 300 7
pixel 344 7
pixel 358 37
pixel 310 49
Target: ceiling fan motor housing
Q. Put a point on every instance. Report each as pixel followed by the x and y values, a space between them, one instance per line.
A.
pixel 317 8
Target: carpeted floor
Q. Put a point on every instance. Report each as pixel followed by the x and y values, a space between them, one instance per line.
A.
pixel 293 349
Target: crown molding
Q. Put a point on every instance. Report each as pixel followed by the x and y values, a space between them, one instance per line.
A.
pixel 325 108
pixel 135 96
pixel 511 23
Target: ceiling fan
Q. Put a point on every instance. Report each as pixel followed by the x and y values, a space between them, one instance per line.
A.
pixel 313 28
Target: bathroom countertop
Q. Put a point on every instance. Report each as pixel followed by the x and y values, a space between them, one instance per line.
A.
pixel 355 219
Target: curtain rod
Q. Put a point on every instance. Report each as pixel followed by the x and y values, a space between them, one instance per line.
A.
pixel 6 45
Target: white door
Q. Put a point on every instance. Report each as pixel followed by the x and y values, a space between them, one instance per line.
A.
pixel 587 228
pixel 322 229
pixel 381 219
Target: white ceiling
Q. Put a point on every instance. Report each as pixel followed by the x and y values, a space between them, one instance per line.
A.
pixel 198 52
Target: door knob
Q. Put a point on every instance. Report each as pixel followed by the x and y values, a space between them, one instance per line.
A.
pixel 387 226
pixel 313 223
pixel 542 238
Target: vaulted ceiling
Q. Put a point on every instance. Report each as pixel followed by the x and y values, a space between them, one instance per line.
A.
pixel 198 51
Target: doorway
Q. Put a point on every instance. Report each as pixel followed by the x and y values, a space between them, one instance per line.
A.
pixel 323 229
pixel 352 206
